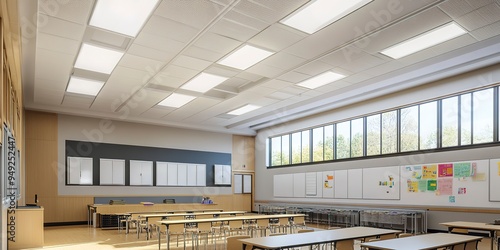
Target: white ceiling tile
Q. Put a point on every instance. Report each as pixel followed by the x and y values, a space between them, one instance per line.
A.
pixel 191 62
pixel 47 96
pixel 75 11
pixel 265 70
pixel 156 112
pixel 314 68
pixel 179 72
pixel 154 54
pixel 486 32
pixel 191 109
pixel 277 84
pixel 217 43
pixel 222 71
pixel 354 59
pixel 168 81
pixel 235 82
pixel 193 13
pixel 278 95
pixel 231 29
pixel 404 30
pixel 62 28
pixel 249 76
pixel 456 8
pixel 277 37
pixel 479 3
pixel 293 77
pixel 245 20
pixel 268 11
pixel 202 53
pixel 53 66
pixel 480 17
pixel 357 78
pixel 283 60
pixel 171 29
pixel 158 42
pixel 140 63
pixel 76 101
pixel 57 44
pixel 144 100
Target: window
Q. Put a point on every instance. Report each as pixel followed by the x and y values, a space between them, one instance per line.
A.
pixel 428 125
pixel 329 142
pixel 409 129
pixel 343 144
pixel 482 112
pixel 389 132
pixel 465 119
pixel 305 146
pixel 449 118
pixel 357 132
pixel 296 148
pixel 317 144
pixel 276 151
pixel 285 150
pixel 373 135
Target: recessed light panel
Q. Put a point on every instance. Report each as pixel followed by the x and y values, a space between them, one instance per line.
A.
pixel 176 100
pixel 320 80
pixel 425 40
pixel 122 16
pixel 245 57
pixel 318 14
pixel 97 59
pixel 245 109
pixel 84 86
pixel 203 82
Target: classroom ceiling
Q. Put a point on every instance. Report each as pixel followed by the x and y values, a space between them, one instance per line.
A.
pixel 183 38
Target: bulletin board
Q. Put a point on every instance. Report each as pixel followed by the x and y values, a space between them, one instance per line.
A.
pixel 446 183
pixel 381 183
pixel 283 185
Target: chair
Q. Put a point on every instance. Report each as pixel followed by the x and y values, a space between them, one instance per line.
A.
pixel 202 229
pixel 387 236
pixel 305 231
pixel 297 222
pixel 234 243
pixel 344 245
pixel 471 245
pixel 458 247
pixel 460 231
pixel 176 230
pixel 403 235
pixel 236 226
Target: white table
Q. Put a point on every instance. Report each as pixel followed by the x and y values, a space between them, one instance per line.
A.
pixel 491 229
pixel 422 241
pixel 314 238
pixel 167 223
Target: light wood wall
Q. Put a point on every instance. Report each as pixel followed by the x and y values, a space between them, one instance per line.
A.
pixel 42 174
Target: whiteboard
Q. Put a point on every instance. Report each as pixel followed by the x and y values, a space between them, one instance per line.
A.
pixel 311 184
pixel 172 174
pixel 201 172
pixel 328 184
pixel 181 174
pixel 340 184
pixel 381 183
pixel 299 185
pixel 355 183
pixel 247 184
pixel 161 173
pixel 222 175
pixel 191 174
pixel 105 172
pixel 283 185
pixel 238 184
pixel 494 172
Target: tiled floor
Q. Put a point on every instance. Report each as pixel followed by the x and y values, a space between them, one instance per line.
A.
pixel 84 237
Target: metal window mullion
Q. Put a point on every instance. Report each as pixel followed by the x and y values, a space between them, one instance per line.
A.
pixel 439 125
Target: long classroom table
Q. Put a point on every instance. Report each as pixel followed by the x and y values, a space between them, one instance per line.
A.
pixel 314 238
pixel 167 223
pixel 146 217
pixel 490 228
pixel 422 242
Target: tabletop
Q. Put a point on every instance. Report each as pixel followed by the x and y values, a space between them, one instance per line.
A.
pixel 422 241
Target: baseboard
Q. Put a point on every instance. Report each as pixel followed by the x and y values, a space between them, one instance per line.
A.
pixel 69 223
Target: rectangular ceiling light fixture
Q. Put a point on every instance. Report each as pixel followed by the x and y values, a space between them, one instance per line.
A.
pixel 245 57
pixel 318 14
pixel 320 80
pixel 84 86
pixel 425 40
pixel 203 82
pixel 97 59
pixel 122 16
pixel 245 109
pixel 176 100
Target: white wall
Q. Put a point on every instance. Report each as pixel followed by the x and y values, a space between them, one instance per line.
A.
pixel 464 82
pixel 118 132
